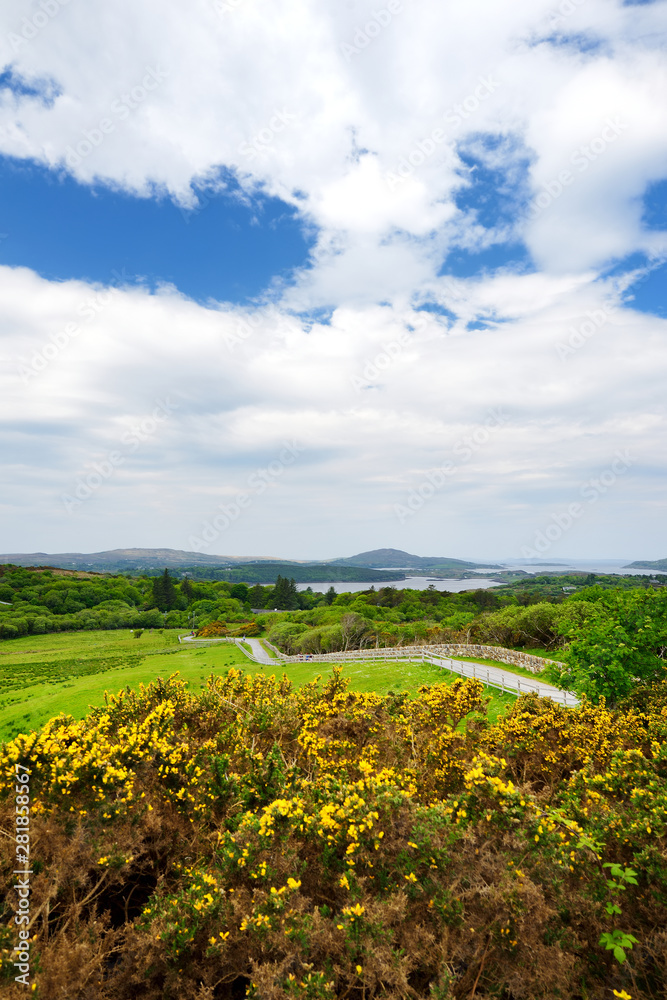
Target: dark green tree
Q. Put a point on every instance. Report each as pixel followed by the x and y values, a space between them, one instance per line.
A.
pixel 240 592
pixel 330 595
pixel 257 596
pixel 165 594
pixel 293 594
pixel 284 595
pixel 187 590
pixel 307 599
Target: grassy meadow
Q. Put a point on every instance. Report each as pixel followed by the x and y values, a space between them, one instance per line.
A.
pixel 44 675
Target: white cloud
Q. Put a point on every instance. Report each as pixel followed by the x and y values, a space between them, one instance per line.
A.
pixel 229 412
pixel 607 131
pixel 153 97
pixel 183 94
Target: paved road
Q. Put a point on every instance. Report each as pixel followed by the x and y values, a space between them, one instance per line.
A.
pixel 503 678
pixel 499 677
pixel 259 654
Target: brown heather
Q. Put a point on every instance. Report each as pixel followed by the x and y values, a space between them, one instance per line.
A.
pixel 259 841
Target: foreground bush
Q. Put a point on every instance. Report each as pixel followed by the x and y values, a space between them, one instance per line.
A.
pixel 258 841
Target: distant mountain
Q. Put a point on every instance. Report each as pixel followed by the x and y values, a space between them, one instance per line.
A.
pixel 199 565
pixel 660 565
pixel 379 565
pixel 389 558
pixel 120 560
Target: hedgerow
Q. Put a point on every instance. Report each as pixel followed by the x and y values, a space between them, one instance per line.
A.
pixel 260 841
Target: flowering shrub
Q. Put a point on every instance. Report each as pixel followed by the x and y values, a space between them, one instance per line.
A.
pixel 319 843
pixel 218 629
pixel 213 630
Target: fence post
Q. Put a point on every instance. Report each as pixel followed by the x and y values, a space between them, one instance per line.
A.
pixel 518 685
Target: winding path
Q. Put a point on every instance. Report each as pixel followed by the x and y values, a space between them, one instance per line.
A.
pixel 259 654
pixel 500 677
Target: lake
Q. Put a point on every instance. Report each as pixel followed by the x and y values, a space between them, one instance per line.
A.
pixel 614 566
pixel 412 583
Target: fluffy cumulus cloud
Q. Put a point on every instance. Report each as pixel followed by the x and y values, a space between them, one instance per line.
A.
pixel 380 395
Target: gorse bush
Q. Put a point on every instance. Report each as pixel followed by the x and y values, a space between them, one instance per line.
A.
pixel 260 841
pixel 217 630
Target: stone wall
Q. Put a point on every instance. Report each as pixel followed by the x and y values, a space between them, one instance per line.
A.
pixel 509 656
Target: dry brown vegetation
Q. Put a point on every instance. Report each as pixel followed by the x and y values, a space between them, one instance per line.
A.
pixel 255 840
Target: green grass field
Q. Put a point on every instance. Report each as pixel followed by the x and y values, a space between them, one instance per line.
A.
pixel 42 676
pixel 510 668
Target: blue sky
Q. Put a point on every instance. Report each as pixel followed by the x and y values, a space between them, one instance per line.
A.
pixel 230 245
pixel 227 247
pixel 406 291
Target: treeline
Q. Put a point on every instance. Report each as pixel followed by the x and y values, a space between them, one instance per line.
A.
pixel 44 600
pixel 608 639
pixel 37 601
pixel 391 617
pixel 265 572
pixel 555 586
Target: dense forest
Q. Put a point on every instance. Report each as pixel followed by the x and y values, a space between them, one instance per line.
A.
pixel 531 612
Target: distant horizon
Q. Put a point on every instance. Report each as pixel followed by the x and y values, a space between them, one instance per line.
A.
pixel 481 562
